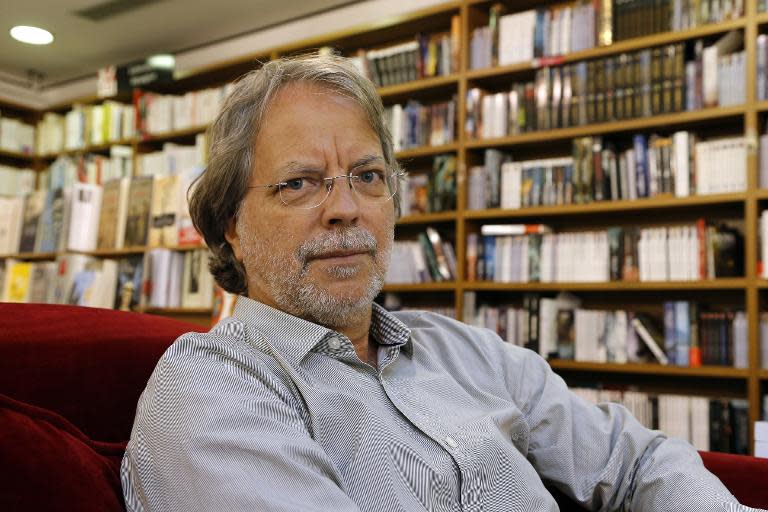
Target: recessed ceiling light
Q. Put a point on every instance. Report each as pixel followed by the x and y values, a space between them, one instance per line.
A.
pixel 162 61
pixel 31 35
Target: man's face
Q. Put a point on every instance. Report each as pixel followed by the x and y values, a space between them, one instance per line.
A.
pixel 324 264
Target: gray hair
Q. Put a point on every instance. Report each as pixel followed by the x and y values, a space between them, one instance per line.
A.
pixel 215 198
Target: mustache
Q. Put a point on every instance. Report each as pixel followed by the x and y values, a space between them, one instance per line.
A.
pixel 347 239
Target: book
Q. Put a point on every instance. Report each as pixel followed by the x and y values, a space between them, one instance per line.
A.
pixel 129 281
pixel 114 212
pixel 11 224
pixel 164 212
pixel 33 210
pixel 17 283
pixel 137 219
pixel 650 338
pixel 197 287
pixel 86 208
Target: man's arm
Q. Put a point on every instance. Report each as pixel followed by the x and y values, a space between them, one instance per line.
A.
pixel 214 434
pixel 602 456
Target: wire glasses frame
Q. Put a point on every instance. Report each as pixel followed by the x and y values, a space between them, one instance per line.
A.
pixel 308 192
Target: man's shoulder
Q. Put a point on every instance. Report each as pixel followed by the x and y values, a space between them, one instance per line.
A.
pixel 223 356
pixel 433 331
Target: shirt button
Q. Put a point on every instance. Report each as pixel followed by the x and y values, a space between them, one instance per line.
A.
pixel 451 442
pixel 334 344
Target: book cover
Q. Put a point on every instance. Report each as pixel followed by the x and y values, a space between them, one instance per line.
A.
pixel 164 212
pixel 33 210
pixel 137 220
pixel 650 337
pixel 86 207
pixel 114 199
pixel 18 276
pixel 197 283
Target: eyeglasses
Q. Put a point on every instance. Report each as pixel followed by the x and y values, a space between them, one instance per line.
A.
pixel 307 191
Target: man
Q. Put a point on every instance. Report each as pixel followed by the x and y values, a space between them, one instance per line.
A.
pixel 311 397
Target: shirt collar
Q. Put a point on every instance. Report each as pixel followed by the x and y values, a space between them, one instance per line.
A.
pixel 294 337
pixel 388 330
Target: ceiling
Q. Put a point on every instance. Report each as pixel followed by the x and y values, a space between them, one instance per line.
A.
pixel 131 30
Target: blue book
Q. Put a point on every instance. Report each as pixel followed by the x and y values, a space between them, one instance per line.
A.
pixel 641 165
pixel 489 252
pixel 539 33
pixel 670 336
pixel 682 333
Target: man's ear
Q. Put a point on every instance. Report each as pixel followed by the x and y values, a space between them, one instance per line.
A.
pixel 234 240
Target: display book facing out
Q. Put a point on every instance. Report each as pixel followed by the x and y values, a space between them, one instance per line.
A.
pixel 630 176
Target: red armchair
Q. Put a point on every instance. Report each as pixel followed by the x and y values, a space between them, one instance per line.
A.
pixel 70 378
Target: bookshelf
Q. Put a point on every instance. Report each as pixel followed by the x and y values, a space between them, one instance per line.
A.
pixel 748 119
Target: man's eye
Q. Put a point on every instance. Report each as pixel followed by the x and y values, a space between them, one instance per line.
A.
pixel 370 176
pixel 294 184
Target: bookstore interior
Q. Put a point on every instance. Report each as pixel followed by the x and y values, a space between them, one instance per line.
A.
pixel 587 178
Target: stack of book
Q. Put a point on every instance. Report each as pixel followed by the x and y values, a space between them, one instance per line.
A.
pixel 630 85
pixel 162 279
pixel 16 136
pixel 519 37
pixel 430 258
pixel 415 125
pixel 709 424
pixel 559 328
pixel 433 192
pixel 15 181
pixel 578 25
pixel 159 113
pixel 423 57
pixel 85 125
pixel 173 159
pixel 522 253
pixel 679 165
pixel 123 212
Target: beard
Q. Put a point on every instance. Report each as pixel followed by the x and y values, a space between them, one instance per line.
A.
pixel 290 284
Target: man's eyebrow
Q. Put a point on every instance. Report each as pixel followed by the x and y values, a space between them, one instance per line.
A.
pixel 296 166
pixel 366 160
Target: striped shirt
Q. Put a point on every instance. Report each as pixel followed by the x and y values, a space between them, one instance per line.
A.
pixel 271 412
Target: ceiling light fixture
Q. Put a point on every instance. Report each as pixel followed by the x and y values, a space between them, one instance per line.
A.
pixel 31 35
pixel 162 61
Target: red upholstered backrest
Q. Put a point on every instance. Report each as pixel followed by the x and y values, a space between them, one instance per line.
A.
pixel 89 365
pixel 745 477
pixel 48 464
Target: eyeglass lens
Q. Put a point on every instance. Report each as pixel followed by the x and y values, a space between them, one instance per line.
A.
pixel 309 191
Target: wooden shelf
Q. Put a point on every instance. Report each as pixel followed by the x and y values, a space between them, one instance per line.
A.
pixel 176 134
pixel 762 18
pixel 764 374
pixel 652 203
pixel 420 85
pixel 427 218
pixel 89 149
pixel 101 253
pixel 762 193
pixel 725 372
pixel 31 256
pixel 420 287
pixel 628 45
pixel 125 251
pixel 27 157
pixel 426 151
pixel 643 123
pixel 612 286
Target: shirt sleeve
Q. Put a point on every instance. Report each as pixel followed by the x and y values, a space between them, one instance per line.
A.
pixel 602 457
pixel 212 433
